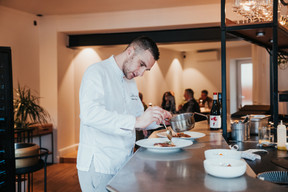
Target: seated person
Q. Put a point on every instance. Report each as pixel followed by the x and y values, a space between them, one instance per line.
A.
pixel 205 100
pixel 191 105
pixel 168 102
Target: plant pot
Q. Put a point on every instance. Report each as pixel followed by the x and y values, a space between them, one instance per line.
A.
pixel 25 150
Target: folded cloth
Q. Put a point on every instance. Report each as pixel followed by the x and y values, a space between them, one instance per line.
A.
pixel 250 156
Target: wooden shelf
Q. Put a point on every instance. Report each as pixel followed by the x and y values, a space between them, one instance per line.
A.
pixel 42 129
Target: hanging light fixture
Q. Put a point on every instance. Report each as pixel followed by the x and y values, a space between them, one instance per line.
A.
pixel 253 11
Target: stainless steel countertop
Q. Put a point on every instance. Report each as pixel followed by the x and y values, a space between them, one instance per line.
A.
pixel 182 171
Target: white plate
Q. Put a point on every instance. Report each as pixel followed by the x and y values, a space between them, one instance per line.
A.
pixel 149 144
pixel 193 135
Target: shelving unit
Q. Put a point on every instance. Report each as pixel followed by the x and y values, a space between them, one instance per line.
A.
pixel 7 153
pixel 275 40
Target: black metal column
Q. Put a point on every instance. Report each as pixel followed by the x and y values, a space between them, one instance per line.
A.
pixel 274 73
pixel 223 70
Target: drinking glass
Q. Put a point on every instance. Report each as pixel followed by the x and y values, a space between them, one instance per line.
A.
pixel 264 134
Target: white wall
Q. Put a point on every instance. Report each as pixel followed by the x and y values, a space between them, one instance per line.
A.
pixel 18 32
pixel 199 75
pixel 283 80
pixel 166 75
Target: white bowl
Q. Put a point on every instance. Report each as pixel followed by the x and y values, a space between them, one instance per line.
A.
pixel 222 154
pixel 225 168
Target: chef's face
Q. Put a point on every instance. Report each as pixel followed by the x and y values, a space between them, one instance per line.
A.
pixel 137 63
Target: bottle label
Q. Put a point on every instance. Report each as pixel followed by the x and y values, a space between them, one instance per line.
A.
pixel 215 121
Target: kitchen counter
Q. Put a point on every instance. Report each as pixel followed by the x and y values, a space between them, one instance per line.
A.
pixel 183 171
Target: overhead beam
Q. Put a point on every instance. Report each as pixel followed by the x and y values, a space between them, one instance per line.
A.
pixel 202 34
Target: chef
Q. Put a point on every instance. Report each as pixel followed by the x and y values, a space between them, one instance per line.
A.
pixel 110 111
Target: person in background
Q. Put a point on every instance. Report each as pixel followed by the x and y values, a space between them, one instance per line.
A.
pixel 111 110
pixel 205 100
pixel 141 98
pixel 191 104
pixel 168 102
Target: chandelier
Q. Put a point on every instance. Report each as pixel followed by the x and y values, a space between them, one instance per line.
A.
pixel 253 11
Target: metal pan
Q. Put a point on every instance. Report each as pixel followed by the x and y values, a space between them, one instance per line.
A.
pixel 185 121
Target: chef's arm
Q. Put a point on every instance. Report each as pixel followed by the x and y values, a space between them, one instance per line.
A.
pixel 152 114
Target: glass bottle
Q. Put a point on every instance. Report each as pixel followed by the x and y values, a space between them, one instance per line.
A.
pixel 215 117
pixel 281 136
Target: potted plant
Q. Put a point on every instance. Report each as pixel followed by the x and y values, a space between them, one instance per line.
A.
pixel 27 111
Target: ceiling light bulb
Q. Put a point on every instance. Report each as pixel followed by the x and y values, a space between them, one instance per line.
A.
pixel 260 34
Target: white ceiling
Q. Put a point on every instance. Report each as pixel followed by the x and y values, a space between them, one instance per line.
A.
pixel 65 7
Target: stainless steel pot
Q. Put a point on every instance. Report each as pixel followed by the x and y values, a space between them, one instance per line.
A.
pixel 26 150
pixel 257 121
pixel 240 131
pixel 184 121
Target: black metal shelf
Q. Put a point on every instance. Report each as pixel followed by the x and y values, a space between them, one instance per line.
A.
pixel 248 32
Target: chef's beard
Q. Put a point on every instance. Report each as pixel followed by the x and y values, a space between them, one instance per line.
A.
pixel 126 70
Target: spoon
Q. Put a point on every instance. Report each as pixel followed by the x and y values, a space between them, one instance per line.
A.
pixel 168 132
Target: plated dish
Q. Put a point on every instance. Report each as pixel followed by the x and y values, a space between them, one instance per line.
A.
pixel 188 135
pixel 149 144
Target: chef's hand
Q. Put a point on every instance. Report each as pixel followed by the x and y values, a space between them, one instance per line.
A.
pixel 151 114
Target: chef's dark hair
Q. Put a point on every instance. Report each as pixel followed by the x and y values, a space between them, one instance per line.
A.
pixel 146 43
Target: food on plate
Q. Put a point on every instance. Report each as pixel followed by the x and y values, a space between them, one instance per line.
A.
pixel 164 144
pixel 182 135
pixel 225 164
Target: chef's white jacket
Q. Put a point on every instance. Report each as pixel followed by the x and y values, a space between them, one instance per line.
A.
pixel 109 105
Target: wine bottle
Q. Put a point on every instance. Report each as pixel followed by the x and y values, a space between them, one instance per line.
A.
pixel 215 117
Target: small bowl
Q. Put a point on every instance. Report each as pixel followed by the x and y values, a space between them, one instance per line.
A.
pixel 182 122
pixel 225 168
pixel 222 154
